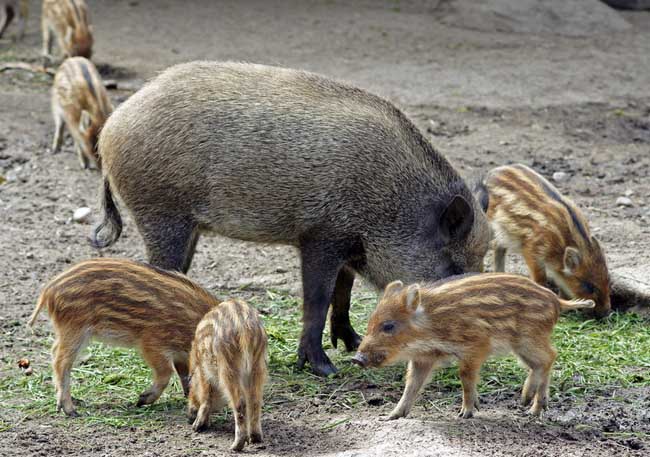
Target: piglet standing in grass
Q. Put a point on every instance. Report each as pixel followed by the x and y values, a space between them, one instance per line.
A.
pixel 467 318
pixel 124 303
pixel 228 364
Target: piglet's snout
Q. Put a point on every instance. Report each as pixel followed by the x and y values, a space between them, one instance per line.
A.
pixel 360 359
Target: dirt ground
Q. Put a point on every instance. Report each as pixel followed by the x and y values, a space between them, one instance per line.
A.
pixel 577 105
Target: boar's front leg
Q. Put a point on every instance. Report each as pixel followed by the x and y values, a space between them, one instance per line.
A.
pixel 340 326
pixel 321 262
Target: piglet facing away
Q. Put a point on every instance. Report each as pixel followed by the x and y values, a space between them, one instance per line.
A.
pixel 466 319
pixel 228 363
pixel 68 21
pixel 123 303
pixel 529 215
pixel 80 102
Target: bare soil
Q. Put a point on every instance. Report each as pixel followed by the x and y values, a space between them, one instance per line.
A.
pixel 579 105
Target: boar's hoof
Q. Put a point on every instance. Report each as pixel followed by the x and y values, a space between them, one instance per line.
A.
pixel 318 360
pixel 346 333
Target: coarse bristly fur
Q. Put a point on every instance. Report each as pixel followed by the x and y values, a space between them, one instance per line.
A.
pixel 228 364
pixel 10 9
pixel 529 215
pixel 68 21
pixel 81 103
pixel 466 319
pixel 125 303
pixel 276 155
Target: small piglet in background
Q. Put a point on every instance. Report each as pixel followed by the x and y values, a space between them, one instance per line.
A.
pixel 228 363
pixel 10 9
pixel 125 303
pixel 80 102
pixel 528 214
pixel 68 20
pixel 465 318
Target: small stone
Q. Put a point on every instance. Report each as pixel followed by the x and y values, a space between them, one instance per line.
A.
pixel 624 201
pixel 629 193
pixel 560 176
pixel 28 371
pixel 281 270
pixel 81 215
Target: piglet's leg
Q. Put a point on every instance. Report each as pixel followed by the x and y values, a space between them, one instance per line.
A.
pixel 64 352
pixel 500 259
pixel 162 372
pixel 418 373
pixel 255 391
pixel 183 372
pixel 238 404
pixel 470 367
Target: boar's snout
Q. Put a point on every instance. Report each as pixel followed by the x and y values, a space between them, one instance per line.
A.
pixel 360 359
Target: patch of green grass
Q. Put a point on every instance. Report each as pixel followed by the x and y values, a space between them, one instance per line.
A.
pixel 594 356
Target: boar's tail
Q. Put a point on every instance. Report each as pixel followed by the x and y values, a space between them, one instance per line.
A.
pixel 112 221
pixel 568 305
pixel 42 301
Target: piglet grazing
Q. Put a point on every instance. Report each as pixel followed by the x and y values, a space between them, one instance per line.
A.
pixel 68 21
pixel 228 363
pixel 125 303
pixel 81 103
pixel 467 318
pixel 529 215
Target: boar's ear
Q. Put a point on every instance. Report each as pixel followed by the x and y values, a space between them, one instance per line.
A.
pixel 84 121
pixel 457 219
pixel 393 288
pixel 572 260
pixel 413 297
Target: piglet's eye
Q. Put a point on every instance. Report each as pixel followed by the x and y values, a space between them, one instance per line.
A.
pixel 388 327
pixel 588 287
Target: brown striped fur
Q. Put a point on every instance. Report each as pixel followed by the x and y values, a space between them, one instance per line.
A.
pixel 228 363
pixel 68 21
pixel 80 102
pixel 10 9
pixel 123 303
pixel 529 215
pixel 465 319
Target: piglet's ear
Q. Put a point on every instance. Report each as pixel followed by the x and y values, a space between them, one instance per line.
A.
pixel 413 297
pixel 572 259
pixel 393 288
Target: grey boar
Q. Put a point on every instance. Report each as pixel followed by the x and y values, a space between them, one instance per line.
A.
pixel 465 319
pixel 228 363
pixel 68 21
pixel 276 155
pixel 80 102
pixel 124 303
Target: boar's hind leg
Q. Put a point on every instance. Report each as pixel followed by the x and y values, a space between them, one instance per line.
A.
pixel 340 326
pixel 321 262
pixel 170 242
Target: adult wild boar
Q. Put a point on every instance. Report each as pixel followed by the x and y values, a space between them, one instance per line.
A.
pixel 275 155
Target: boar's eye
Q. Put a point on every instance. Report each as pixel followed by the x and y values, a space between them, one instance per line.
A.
pixel 388 327
pixel 588 287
